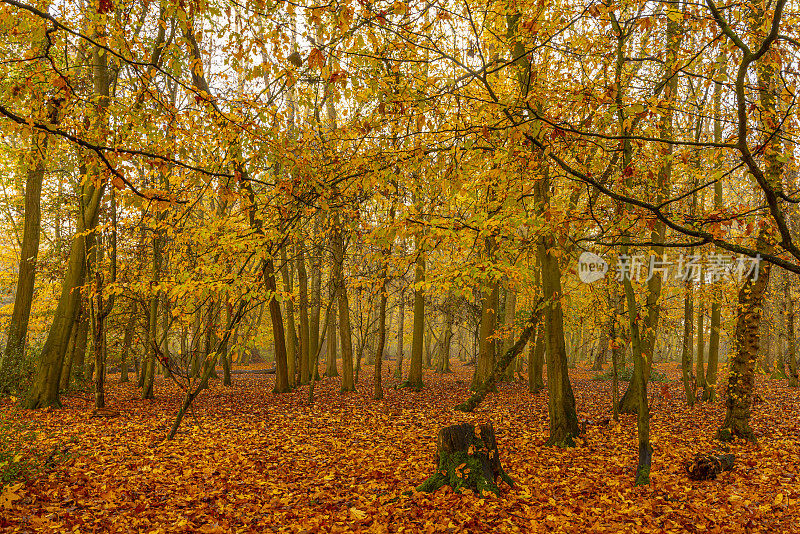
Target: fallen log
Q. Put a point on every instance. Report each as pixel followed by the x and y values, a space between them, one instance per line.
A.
pixel 501 364
pixel 708 466
pixel 467 458
pixel 253 371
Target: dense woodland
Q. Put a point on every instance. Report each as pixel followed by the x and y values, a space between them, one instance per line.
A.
pixel 276 247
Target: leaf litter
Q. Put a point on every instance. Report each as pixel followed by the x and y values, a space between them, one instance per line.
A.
pixel 248 460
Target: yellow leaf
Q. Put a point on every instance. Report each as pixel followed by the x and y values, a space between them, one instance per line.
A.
pixel 675 16
pixel 358 514
pixel 9 495
pixel 211 528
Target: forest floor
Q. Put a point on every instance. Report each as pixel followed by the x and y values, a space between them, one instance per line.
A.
pixel 247 460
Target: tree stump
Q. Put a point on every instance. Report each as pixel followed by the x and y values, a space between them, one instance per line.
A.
pixel 467 459
pixel 708 466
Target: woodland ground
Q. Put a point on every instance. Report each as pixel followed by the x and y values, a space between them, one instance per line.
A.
pixel 251 461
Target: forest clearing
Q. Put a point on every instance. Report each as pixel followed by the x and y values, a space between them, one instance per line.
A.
pixel 372 265
pixel 253 461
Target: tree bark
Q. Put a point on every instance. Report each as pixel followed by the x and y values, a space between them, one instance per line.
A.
pixel 741 376
pixel 486 356
pixel 12 361
pixel 500 366
pixel 689 385
pixel 345 336
pixel 281 367
pixel 536 361
pixel 398 373
pixel 126 345
pixel 44 391
pixel 445 338
pixel 791 355
pixel 466 459
pixel 700 371
pixel 302 282
pixel 710 393
pixel 291 327
pixel 508 324
pixel 330 368
pixel 415 371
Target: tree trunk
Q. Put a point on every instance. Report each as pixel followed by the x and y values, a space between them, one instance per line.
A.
pixel 415 371
pixel 401 321
pixel 466 459
pixel 689 385
pixel 700 371
pixel 99 342
pixel 658 233
pixel 377 393
pixel 536 361
pixel 281 371
pixel 291 327
pixel 152 321
pixel 384 297
pixel 345 336
pixel 44 391
pixel 330 368
pixel 508 324
pixel 710 393
pixel 485 360
pixel 561 401
pixel 616 345
pixel 643 412
pixel 445 339
pixel 501 365
pixel 76 349
pixel 11 364
pixel 126 345
pixel 741 375
pixel 791 354
pixel 302 282
pixel 316 292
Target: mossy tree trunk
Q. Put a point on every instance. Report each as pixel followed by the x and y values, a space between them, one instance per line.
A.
pixel 700 370
pixel 791 349
pixel 12 357
pixel 686 358
pixel 467 458
pixel 345 336
pixel 126 346
pixel 536 361
pixel 380 344
pixel 486 357
pixel 710 392
pixel 446 337
pixel 302 285
pixel 330 352
pixel 508 324
pixel 44 391
pixel 401 320
pixel 287 275
pixel 741 375
pixel 501 365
